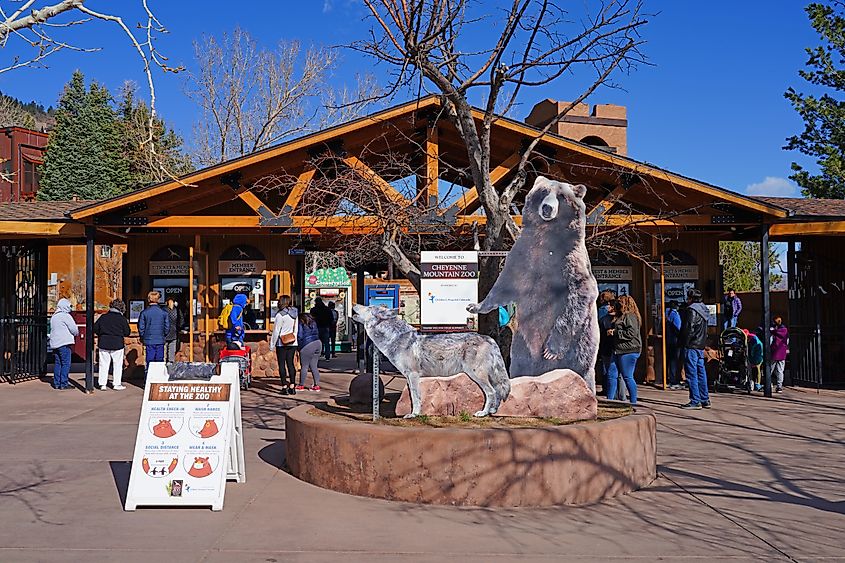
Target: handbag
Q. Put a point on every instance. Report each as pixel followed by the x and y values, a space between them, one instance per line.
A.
pixel 289 338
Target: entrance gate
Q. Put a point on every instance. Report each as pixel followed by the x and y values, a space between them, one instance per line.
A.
pixel 23 310
pixel 816 330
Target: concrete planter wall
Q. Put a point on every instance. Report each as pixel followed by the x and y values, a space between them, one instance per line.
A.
pixel 574 465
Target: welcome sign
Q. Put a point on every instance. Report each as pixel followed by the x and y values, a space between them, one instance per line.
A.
pixel 189 441
pixel 448 283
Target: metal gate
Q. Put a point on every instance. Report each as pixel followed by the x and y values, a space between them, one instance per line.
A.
pixel 816 326
pixel 23 310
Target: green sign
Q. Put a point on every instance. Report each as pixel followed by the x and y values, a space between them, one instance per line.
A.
pixel 328 277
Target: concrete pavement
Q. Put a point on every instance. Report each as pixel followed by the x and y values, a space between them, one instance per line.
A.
pixel 749 480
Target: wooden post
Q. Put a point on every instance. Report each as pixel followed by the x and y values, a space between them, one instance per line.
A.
pixel 205 306
pixel 90 233
pixel 767 312
pixel 663 316
pixel 191 303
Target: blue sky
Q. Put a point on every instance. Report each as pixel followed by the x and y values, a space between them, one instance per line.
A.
pixel 711 105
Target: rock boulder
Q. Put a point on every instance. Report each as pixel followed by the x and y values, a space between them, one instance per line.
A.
pixel 361 389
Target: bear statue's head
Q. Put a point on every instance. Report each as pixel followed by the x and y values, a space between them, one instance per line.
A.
pixel 550 200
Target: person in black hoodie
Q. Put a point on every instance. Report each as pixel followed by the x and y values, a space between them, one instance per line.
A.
pixel 322 315
pixel 111 328
pixel 693 339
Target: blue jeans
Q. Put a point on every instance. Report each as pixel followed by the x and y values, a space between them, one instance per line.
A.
pixel 61 366
pixel 153 353
pixel 673 363
pixel 729 323
pixel 696 376
pixel 624 364
pixel 325 338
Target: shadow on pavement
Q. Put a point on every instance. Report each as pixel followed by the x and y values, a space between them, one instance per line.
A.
pixel 120 471
pixel 273 453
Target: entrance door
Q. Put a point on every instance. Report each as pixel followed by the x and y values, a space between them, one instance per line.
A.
pixel 23 311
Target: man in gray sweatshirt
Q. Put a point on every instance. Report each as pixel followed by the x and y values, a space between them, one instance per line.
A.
pixel 693 339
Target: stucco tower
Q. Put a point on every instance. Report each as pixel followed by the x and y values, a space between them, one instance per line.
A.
pixel 605 127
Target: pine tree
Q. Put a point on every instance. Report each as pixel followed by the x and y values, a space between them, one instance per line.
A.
pixel 84 157
pixel 152 158
pixel 824 116
pixel 741 260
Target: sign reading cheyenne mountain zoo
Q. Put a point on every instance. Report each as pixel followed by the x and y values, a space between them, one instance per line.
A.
pixel 448 283
pixel 189 441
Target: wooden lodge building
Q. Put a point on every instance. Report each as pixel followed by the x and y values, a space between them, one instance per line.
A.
pixel 217 231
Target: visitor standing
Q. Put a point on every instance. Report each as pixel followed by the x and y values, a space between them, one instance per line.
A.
pixel 323 317
pixel 693 339
pixel 171 341
pixel 235 331
pixel 283 341
pixel 111 328
pixel 605 314
pixel 755 357
pixel 673 346
pixel 333 329
pixel 308 339
pixel 627 346
pixel 63 333
pixel 780 349
pixel 153 326
pixel 732 307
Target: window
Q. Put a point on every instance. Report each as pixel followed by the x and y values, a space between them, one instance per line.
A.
pixel 106 251
pixel 31 177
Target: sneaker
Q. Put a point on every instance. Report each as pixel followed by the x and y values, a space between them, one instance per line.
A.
pixel 284 390
pixel 104 388
pixel 315 387
pixel 705 404
pixel 758 387
pixel 778 389
pixel 300 387
pixel 291 391
pixel 119 387
pixel 692 406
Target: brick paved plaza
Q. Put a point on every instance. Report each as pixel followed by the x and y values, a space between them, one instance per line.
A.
pixel 751 479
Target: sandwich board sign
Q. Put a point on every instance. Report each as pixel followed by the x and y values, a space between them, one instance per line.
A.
pixel 189 441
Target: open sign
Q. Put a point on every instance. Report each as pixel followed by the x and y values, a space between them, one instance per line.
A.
pixel 242 288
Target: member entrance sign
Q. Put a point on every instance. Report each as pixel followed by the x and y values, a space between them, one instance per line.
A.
pixel 189 441
pixel 448 283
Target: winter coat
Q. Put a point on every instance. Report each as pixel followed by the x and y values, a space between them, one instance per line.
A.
pixel 626 335
pixel 305 334
pixel 780 342
pixel 111 329
pixel 605 340
pixel 175 316
pixel 322 315
pixel 733 306
pixel 673 327
pixel 236 318
pixel 153 325
pixel 694 326
pixel 63 328
pixel 755 350
pixel 285 322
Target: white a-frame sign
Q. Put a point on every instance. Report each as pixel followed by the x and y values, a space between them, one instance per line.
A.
pixel 189 442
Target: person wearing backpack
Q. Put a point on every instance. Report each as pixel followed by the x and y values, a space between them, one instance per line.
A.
pixel 111 328
pixel 232 321
pixel 153 326
pixel 284 341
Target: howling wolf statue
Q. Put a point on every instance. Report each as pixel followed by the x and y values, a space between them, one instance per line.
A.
pixel 418 355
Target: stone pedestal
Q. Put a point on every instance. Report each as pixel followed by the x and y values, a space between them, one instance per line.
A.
pixel 561 394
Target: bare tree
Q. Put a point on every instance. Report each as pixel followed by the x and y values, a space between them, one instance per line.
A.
pixel 110 267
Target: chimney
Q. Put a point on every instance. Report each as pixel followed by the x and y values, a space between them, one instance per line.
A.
pixel 605 127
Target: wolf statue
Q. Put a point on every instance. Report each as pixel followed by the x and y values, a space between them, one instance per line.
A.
pixel 547 275
pixel 418 355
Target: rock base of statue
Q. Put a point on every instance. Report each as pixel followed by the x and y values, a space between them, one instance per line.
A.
pixel 361 389
pixel 561 394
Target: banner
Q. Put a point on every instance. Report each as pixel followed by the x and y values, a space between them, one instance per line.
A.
pixel 449 282
pixel 189 440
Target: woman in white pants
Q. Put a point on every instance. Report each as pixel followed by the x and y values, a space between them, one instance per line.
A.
pixel 111 328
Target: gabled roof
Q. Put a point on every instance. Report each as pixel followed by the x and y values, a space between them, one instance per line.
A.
pixel 805 207
pixel 592 156
pixel 39 210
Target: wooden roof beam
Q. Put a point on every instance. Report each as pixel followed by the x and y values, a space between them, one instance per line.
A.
pixel 470 198
pixel 371 176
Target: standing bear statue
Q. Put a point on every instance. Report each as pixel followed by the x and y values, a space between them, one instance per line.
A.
pixel 547 275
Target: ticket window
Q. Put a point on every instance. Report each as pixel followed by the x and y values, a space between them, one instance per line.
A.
pixel 255 315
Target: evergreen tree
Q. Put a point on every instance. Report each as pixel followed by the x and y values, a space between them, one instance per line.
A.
pixel 824 116
pixel 84 156
pixel 152 158
pixel 741 262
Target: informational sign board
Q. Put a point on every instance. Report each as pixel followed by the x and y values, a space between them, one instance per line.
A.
pixel 449 282
pixel 189 441
pixel 230 267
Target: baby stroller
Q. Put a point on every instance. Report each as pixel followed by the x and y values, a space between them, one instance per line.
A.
pixel 244 361
pixel 733 368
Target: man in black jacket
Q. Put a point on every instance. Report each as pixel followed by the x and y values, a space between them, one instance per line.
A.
pixel 323 317
pixel 111 328
pixel 693 338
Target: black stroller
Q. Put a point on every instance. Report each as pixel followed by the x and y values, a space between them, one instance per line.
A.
pixel 733 367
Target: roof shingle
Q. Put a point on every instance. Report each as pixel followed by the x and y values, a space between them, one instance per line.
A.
pixel 39 210
pixel 809 207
